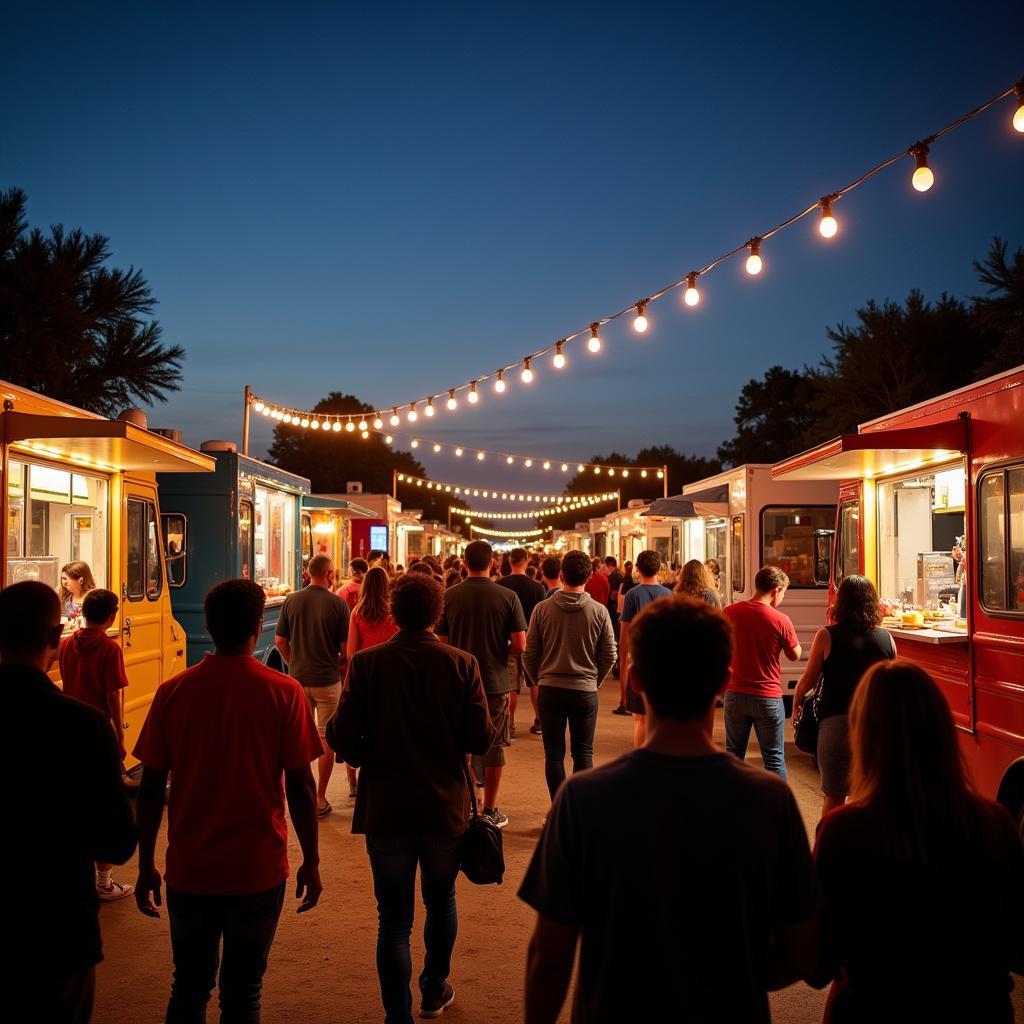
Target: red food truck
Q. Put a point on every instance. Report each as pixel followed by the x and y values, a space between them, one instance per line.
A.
pixel 931 508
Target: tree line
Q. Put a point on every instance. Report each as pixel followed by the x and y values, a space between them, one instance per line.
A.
pixel 79 330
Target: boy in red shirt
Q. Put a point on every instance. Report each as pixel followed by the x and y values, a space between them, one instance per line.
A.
pixel 92 671
pixel 761 635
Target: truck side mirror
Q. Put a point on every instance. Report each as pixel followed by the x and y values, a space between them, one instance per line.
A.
pixel 823 540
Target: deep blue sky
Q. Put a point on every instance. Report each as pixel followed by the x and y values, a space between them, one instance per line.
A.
pixel 389 199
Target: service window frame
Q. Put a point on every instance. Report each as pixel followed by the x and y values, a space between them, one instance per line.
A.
pixel 737 553
pixel 1002 470
pixel 795 508
pixel 150 519
pixel 839 554
pixel 182 556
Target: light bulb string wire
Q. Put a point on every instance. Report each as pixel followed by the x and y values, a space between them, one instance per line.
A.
pixel 496 493
pixel 661 292
pixel 572 504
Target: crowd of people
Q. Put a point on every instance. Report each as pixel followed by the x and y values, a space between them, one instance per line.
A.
pixel 680 874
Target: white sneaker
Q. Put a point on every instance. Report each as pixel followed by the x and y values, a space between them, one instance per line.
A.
pixel 114 891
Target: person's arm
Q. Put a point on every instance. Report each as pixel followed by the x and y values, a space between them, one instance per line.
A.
pixel 149 812
pixel 346 731
pixel 532 653
pixel 282 634
pixel 300 791
pixel 790 642
pixel 516 627
pixel 353 638
pixel 606 650
pixel 111 833
pixel 116 713
pixel 477 730
pixel 282 644
pixel 812 672
pixel 623 651
pixel 517 643
pixel 549 961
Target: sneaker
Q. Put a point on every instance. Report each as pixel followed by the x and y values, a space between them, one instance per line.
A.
pixel 433 1006
pixel 114 891
pixel 495 817
pixel 535 728
pixel 622 710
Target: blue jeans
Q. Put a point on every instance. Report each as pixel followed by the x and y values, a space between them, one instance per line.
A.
pixel 557 708
pixel 393 862
pixel 768 717
pixel 247 925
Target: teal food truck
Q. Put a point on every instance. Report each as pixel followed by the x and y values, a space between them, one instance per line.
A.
pixel 247 520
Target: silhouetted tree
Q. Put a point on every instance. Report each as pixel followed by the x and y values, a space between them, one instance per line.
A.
pixel 1001 310
pixel 72 327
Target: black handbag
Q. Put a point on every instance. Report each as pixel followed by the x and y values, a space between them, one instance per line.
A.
pixel 481 856
pixel 805 732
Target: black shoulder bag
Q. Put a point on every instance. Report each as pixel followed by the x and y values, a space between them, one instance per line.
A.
pixel 481 857
pixel 805 732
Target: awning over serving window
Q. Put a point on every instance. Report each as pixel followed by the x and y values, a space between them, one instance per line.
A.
pixel 714 501
pixel 876 453
pixel 105 444
pixel 339 506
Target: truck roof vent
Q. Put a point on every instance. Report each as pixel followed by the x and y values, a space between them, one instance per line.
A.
pixel 637 503
pixel 354 487
pixel 218 446
pixel 170 434
pixel 135 416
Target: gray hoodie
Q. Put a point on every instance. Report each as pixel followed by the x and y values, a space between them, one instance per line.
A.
pixel 570 642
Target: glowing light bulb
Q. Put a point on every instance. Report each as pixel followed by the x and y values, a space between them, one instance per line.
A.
pixel 388 439
pixel 412 415
pixel 453 402
pixel 350 426
pixel 565 467
pixel 661 474
pixel 363 426
pixel 258 406
pixel 304 422
pixel 594 342
pixel 527 375
pixel 691 296
pixel 558 359
pixel 458 453
pixel 528 463
pixel 611 472
pixel 414 443
pixel 265 411
pixel 597 469
pixel 287 418
pixel 1018 116
pixel 499 384
pixel 625 472
pixel 754 262
pixel 643 473
pixel 472 397
pixel 547 465
pixel 580 468
pixel 509 460
pixel 336 426
pixel 437 447
pixel 922 179
pixel 429 410
pixel 365 434
pixel 480 456
pixel 640 323
pixel 828 225
pixel 394 421
pixel 378 423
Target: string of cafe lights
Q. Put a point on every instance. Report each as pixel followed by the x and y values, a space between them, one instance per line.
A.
pixel 494 493
pixel 508 534
pixel 922 180
pixel 571 504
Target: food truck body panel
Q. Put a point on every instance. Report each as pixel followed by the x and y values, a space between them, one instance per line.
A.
pixel 964 449
pixel 747 520
pixel 244 521
pixel 79 487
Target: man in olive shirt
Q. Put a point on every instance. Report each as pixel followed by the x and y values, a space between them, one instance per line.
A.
pixel 487 621
pixel 311 634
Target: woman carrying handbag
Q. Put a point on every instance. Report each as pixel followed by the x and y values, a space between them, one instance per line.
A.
pixel 839 657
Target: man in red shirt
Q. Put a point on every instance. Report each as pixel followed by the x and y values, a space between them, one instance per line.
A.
pixel 762 634
pixel 597 586
pixel 226 729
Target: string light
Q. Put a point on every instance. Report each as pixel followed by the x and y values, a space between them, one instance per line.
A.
pixel 336 426
pixel 828 225
pixel 394 421
pixel 458 453
pixel 414 443
pixel 388 439
pixel 363 426
pixel 640 323
pixel 480 456
pixel 377 423
pixel 527 375
pixel 569 503
pixel 509 459
pixel 691 296
pixel 472 397
pixel 412 414
pixel 499 383
pixel 429 409
pixel 922 178
pixel 754 261
pixel 509 534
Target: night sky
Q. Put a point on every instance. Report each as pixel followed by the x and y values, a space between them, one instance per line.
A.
pixel 388 200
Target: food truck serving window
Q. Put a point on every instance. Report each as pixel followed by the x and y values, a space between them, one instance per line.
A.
pixel 54 517
pixel 920 522
pixel 175 533
pixel 144 578
pixel 274 541
pixel 1001 540
pixel 788 540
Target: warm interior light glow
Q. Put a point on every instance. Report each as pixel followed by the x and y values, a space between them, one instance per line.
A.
pixel 828 225
pixel 754 262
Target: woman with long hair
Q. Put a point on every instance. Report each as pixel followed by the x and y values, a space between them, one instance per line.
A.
pixel 695 581
pixel 922 880
pixel 839 656
pixel 76 581
pixel 370 624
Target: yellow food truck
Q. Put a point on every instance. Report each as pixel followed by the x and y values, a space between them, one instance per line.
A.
pixel 77 487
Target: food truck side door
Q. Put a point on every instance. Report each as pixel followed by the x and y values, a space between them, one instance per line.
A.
pixel 145 609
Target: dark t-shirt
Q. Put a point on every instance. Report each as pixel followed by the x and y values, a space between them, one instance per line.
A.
pixel 530 592
pixel 910 941
pixel 614 582
pixel 851 654
pixel 479 617
pixel 315 622
pixel 685 935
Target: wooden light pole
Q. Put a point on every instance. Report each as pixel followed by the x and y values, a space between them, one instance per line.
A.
pixel 245 420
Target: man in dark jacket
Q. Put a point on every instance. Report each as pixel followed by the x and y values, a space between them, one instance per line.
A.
pixel 413 709
pixel 48 971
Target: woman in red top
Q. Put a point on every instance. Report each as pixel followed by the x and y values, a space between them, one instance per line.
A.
pixel 370 624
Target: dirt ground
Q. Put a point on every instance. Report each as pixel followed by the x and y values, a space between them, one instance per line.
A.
pixel 322 964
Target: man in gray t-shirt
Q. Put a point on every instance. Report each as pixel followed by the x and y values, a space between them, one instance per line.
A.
pixel 311 634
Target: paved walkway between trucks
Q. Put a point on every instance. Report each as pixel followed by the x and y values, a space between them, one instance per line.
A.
pixel 322 965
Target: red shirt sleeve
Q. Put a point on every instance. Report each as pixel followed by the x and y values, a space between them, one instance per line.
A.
pixel 300 742
pixel 114 676
pixel 152 748
pixel 789 637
